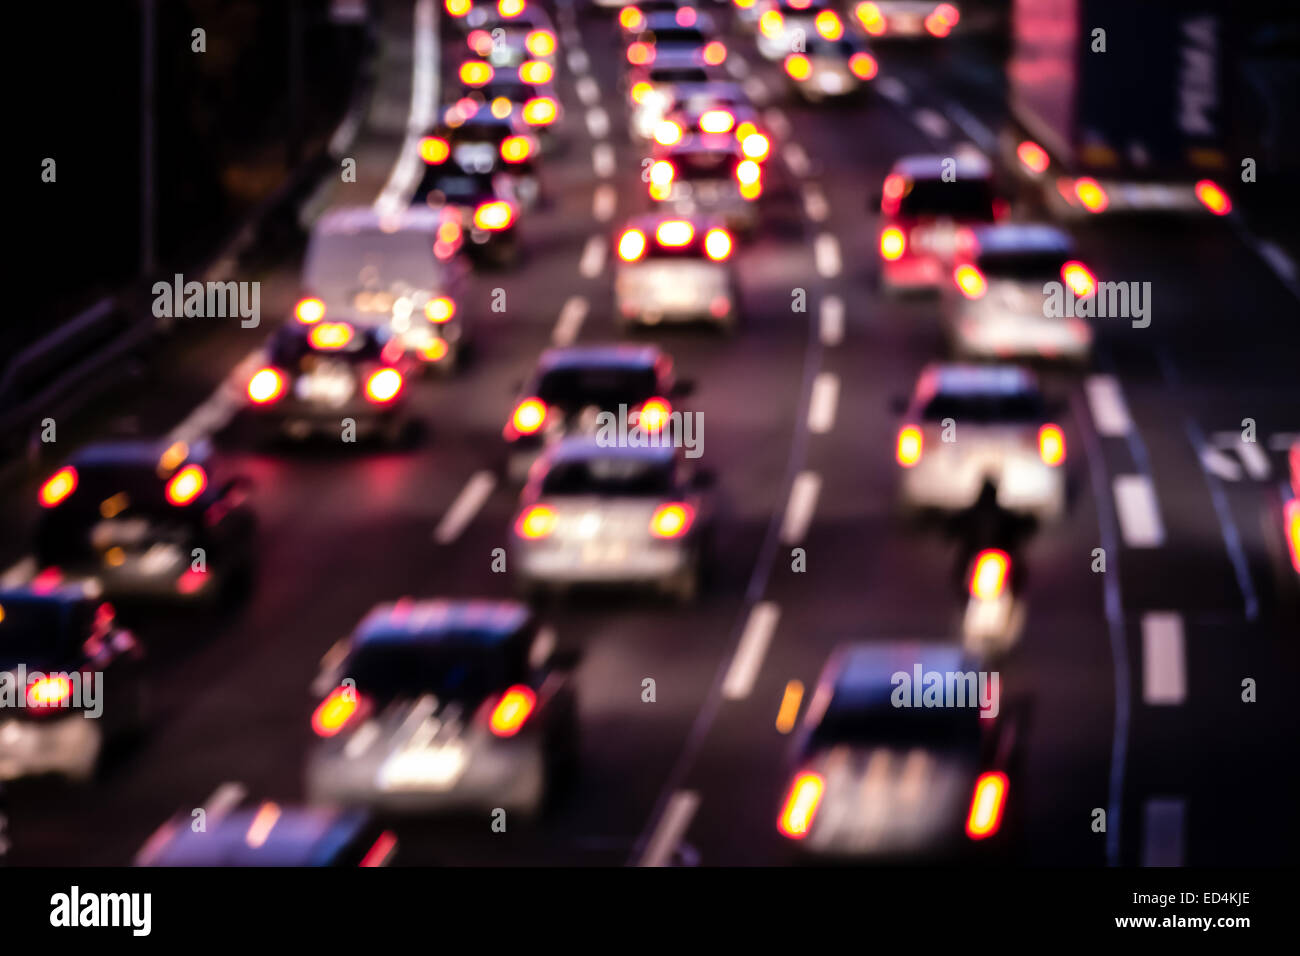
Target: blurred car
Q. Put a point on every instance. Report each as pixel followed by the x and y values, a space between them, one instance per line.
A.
pixel 511 33
pixel 529 94
pixel 633 13
pixel 271 835
pixel 875 780
pixel 684 31
pixel 709 177
pixel 995 308
pixel 782 24
pixel 924 203
pixel 905 19
pixel 370 269
pixel 838 67
pixel 966 425
pixel 319 375
pixel 652 87
pixel 148 522
pixel 443 706
pixel 599 513
pixel 674 270
pixel 475 139
pixel 719 110
pixel 570 387
pixel 1290 498
pixel 70 681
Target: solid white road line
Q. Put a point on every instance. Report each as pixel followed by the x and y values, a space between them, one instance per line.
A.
pixel 821 405
pixel 224 799
pixel 754 639
pixel 1106 403
pixel 672 827
pixel 826 254
pixel 588 91
pixel 572 313
pixel 1138 511
pixel 1164 824
pixel 814 203
pixel 603 201
pixel 831 320
pixel 892 88
pixel 602 160
pixel 471 498
pixel 593 258
pixel 931 123
pixel 597 123
pixel 1164 668
pixel 408 169
pixel 799 509
pixel 796 159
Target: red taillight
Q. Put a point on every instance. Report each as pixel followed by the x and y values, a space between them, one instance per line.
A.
pixel 672 520
pixel 937 26
pixel 540 111
pixel 330 336
pixel 540 43
pixel 1089 192
pixel 910 444
pixel 828 24
pixel 662 173
pixel 1213 198
pixel 529 416
pixel 798 66
pixel 1078 278
pixel 439 310
pixel 715 52
pixel 986 805
pixel 970 281
pixel 475 72
pixel 869 15
pixel 514 708
pixel 58 486
pixel 337 710
pixel 717 243
pixel 716 121
pixel 1051 444
pixel 308 311
pixel 801 805
pixel 434 150
pixel 536 522
pixel 52 691
pixel 265 387
pixel 516 149
pixel 864 66
pixel 989 575
pixel 892 244
pixel 536 72
pixel 191 581
pixel 186 485
pixel 1033 156
pixel 652 415
pixel 494 216
pixel 1291 517
pixel 383 385
pixel 639 54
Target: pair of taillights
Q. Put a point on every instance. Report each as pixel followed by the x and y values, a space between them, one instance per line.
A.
pixel 538 42
pixel 862 65
pixel 749 177
pixel 268 385
pixel 639 53
pixel 182 488
pixel 972 283
pixel 938 22
pixel 674 234
pixel 345 705
pixel 514 149
pixel 531 413
pixel 983 820
pixel 911 442
pixel 671 520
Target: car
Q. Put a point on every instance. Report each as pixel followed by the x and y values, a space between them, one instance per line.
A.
pixel 652 87
pixel 149 521
pixel 783 24
pixel 327 377
pixel 473 138
pixel 570 386
pixel 721 110
pixel 600 512
pixel 367 268
pixel 966 425
pixel 876 776
pixel 708 176
pixel 1289 496
pixel 994 307
pixel 632 16
pixel 905 19
pixel 511 34
pixel 443 706
pixel 675 270
pixel 271 835
pixel 925 201
pixel 685 31
pixel 826 68
pixel 70 681
pixel 529 94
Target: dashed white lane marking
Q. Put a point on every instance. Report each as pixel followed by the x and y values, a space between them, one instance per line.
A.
pixel 830 325
pixel 977 131
pixel 1106 403
pixel 1164 825
pixel 796 159
pixel 821 405
pixel 755 89
pixel 799 509
pixel 567 325
pixel 892 88
pixel 597 123
pixel 1220 464
pixel 602 160
pixel 593 258
pixel 588 90
pixel 1138 511
pixel 814 203
pixel 406 173
pixel 224 799
pixel 826 254
pixel 462 511
pixel 672 827
pixel 737 66
pixel 931 123
pixel 776 122
pixel 578 61
pixel 1280 262
pixel 603 201
pixel 1164 668
pixel 754 639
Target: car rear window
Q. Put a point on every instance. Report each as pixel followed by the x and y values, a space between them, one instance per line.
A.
pixel 691 36
pixel 615 476
pixel 35 632
pixel 290 346
pixel 694 167
pixel 685 74
pixel 985 408
pixel 852 722
pixel 453 668
pixel 602 387
pixel 1021 266
pixel 961 199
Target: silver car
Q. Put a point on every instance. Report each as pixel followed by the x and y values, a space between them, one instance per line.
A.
pixel 828 69
pixel 674 270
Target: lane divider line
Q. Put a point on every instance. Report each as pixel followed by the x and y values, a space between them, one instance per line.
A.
pixel 1164 667
pixel 748 660
pixel 801 506
pixel 821 407
pixel 1106 403
pixel 467 504
pixel 572 314
pixel 672 828
pixel 1139 512
pixel 593 258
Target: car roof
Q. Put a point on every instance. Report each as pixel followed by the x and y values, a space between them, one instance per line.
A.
pixel 586 447
pixel 676 58
pixel 718 89
pixel 140 452
pixel 863 672
pixel 811 6
pixel 930 166
pixel 648 222
pixel 694 144
pixel 297 836
pixel 349 220
pixel 1022 237
pixel 427 621
pixel 667 20
pixel 600 356
pixel 969 379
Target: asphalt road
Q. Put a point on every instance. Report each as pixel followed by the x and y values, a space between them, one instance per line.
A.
pixel 1206 780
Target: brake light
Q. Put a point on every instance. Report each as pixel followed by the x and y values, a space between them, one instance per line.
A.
pixel 535 71
pixel 662 173
pixel 748 172
pixel 330 336
pixel 529 416
pixel 1051 444
pixel 989 576
pixel 744 4
pixel 631 245
pixel 1291 516
pixel 475 72
pixel 892 244
pixel 539 111
pixel 52 691
pixel 512 710
pixel 630 18
pixel 674 233
pixel 716 121
pixel 770 24
pixel 537 522
pixel 458 8
pixel 1090 193
pixel 715 51
pixel 435 351
pixel 480 42
pixel 986 805
pixel 970 280
pixel 540 43
pixel 434 150
pixel 265 386
pixel 1078 278
pixel 494 216
pixel 910 444
pixel 1213 198
pixel 308 311
pixel 872 20
pixel 798 66
pixel 801 805
pixel 639 54
pixel 1033 156
pixel 685 16
pixel 510 8
pixel 863 65
pixel 672 521
pixel 937 26
pixel 828 25
pixel 58 486
pixel 186 485
pixel 641 91
pixel 337 710
pixel 948 13
pixel 515 149
pixel 653 414
pixel 383 385
pixel 667 133
pixel 439 310
pixel 717 243
pixel 755 146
